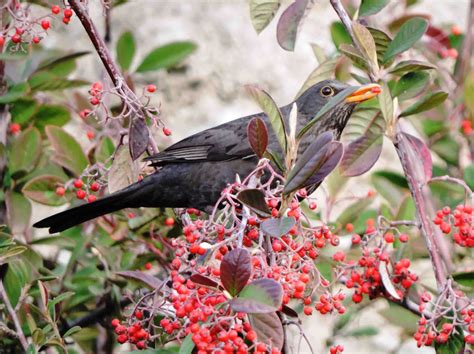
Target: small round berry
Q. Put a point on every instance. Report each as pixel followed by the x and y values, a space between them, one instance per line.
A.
pixel 141 344
pixel 148 266
pixel 19 31
pixel 95 186
pixel 251 336
pixel 45 24
pixel 91 198
pixel 90 135
pixel 389 238
pixel 122 338
pixel 68 13
pixel 80 194
pixel 356 239
pixel 308 310
pixel 94 101
pixel 403 238
pixel 36 39
pixel 169 221
pixel 453 53
pixel 115 322
pixel 151 88
pixel 16 38
pixel 14 128
pixel 139 315
pixel 78 183
pixel 349 227
pixel 55 9
pixel 166 131
pixel 456 30
pixel 60 191
pixel 313 206
pixel 66 20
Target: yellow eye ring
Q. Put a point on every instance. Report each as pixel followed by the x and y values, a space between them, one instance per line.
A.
pixel 327 91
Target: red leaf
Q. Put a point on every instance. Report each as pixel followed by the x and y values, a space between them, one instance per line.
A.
pixel 288 24
pixel 258 136
pixel 439 36
pixel 147 279
pixel 255 200
pixel 420 155
pixel 361 154
pixel 268 328
pixel 236 270
pixel 202 280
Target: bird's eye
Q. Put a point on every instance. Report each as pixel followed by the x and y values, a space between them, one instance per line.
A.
pixel 327 91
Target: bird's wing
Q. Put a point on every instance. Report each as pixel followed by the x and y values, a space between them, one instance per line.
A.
pixel 227 141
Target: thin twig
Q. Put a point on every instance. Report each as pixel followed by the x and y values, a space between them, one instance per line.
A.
pixel 16 321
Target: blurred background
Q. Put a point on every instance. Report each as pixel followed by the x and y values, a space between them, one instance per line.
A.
pixel 208 89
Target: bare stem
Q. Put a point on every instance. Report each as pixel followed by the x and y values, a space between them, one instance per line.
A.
pixel 16 321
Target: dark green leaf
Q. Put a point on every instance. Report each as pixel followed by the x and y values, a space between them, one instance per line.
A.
pixel 469 175
pixel 15 92
pixel 269 106
pixel 454 345
pixel 268 328
pixel 67 151
pixel 277 227
pixel 72 331
pixel 382 41
pixel 166 56
pixel 371 7
pixel 255 200
pixel 388 189
pixel 399 316
pixel 62 66
pixel 104 150
pixel 42 189
pixel 393 177
pixel 22 110
pixel 51 115
pixel 15 279
pixel 411 85
pixel 411 65
pixel 46 81
pixel 24 152
pixel 235 270
pixel 426 103
pixel 339 34
pixel 466 280
pixel 410 32
pixel 187 346
pixel 260 296
pixel 125 50
pixel 262 12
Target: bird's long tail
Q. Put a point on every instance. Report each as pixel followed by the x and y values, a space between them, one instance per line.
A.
pixel 130 197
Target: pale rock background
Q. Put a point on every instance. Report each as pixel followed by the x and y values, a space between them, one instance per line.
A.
pixel 231 54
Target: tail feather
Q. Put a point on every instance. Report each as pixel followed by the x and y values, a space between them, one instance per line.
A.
pixel 126 198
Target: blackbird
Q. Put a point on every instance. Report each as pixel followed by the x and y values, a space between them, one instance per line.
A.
pixel 193 172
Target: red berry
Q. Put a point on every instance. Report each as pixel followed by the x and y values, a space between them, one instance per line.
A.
pixel 90 135
pixel 389 238
pixel 2 41
pixel 16 38
pixel 169 221
pixel 313 206
pixel 148 266
pixel 14 128
pixel 68 13
pixel 456 30
pixel 36 39
pixel 166 131
pixel 95 186
pixel 308 310
pixel 122 338
pixel 19 31
pixel 277 246
pixel 151 88
pixel 45 24
pixel 141 344
pixel 91 198
pixel 55 9
pixel 60 191
pixel 115 322
pixel 453 53
pixel 78 183
pixel 66 20
pixel 94 101
pixel 403 238
pixel 139 314
pixel 251 336
pixel 356 239
pixel 80 194
pixel 349 227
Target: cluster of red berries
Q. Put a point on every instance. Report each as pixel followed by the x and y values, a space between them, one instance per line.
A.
pixel 96 93
pixel 80 192
pixel 335 349
pixel 329 303
pixel 461 220
pixel 67 13
pixel 134 333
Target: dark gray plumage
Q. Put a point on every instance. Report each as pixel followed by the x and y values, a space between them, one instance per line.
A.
pixel 195 170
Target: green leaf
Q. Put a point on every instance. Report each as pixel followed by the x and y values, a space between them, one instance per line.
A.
pixel 62 66
pixel 104 150
pixel 469 91
pixel 187 346
pixel 24 152
pixel 42 189
pixel 352 212
pixel 269 106
pixel 260 296
pixel 362 332
pixel 365 42
pixel 51 115
pixel 8 252
pixel 354 54
pixel 277 227
pixel 466 280
pixel 410 32
pixel 454 345
pixel 15 279
pixel 67 151
pixel 166 56
pixel 15 92
pixel 72 331
pixel 447 149
pixel 339 34
pixel 388 189
pixel 399 316
pixel 125 50
pixel 386 103
pixel 262 13
pixel 382 41
pixel 363 122
pixel 469 175
pixel 411 85
pixel 23 110
pixel 46 81
pixel 371 7
pixel 409 66
pixel 426 103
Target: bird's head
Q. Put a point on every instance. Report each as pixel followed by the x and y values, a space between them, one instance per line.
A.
pixel 314 98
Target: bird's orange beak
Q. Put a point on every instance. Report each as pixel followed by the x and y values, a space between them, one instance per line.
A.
pixel 364 93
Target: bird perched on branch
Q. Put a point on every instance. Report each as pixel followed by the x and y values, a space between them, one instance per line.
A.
pixel 194 171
